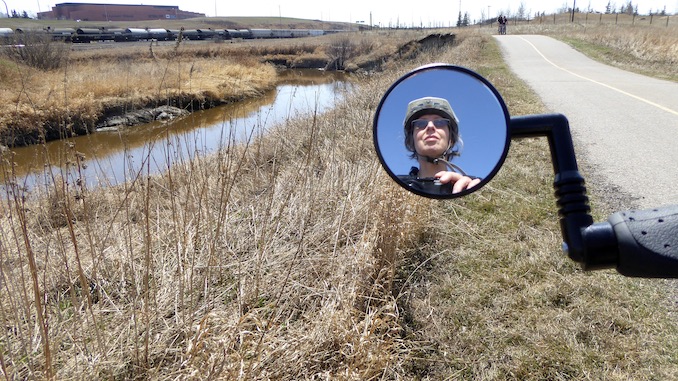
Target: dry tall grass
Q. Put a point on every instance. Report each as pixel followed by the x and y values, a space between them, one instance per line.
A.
pixel 294 257
pixel 268 260
pixel 649 51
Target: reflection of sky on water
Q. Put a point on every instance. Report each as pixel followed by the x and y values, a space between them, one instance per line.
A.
pixel 482 123
pixel 113 157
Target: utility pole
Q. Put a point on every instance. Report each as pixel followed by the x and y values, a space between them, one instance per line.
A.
pixel 574 5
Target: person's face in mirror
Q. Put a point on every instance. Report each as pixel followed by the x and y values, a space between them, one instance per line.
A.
pixel 431 140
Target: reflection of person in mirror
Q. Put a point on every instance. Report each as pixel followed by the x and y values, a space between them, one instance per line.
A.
pixel 432 136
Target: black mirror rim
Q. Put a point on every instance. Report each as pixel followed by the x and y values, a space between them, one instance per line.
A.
pixel 444 66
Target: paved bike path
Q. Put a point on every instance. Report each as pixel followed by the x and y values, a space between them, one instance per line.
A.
pixel 624 125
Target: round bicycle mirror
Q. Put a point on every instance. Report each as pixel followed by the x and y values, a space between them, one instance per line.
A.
pixel 441 131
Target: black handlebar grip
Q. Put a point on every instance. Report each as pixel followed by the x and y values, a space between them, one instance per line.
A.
pixel 647 242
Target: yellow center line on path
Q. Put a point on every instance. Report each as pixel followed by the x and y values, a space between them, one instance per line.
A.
pixel 600 83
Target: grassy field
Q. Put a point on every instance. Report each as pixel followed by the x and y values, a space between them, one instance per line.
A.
pixel 39 105
pixel 295 257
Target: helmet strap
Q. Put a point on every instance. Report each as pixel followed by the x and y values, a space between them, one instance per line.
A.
pixel 445 157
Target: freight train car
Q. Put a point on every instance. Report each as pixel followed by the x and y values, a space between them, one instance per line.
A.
pixel 160 34
pixel 6 36
pixel 230 34
pixel 279 33
pixel 89 35
pixel 62 34
pixel 117 34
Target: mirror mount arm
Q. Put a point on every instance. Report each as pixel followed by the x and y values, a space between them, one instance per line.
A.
pixel 638 243
pixel 570 192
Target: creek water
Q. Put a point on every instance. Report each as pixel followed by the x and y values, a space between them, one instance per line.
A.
pixel 112 157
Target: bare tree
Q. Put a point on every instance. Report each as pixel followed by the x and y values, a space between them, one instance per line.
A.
pixel 340 51
pixel 521 11
pixel 564 8
pixel 38 50
pixel 629 9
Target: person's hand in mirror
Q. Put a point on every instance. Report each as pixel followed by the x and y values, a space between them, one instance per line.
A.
pixel 459 181
pixel 432 136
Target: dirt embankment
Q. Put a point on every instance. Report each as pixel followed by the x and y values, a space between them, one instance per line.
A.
pixel 352 53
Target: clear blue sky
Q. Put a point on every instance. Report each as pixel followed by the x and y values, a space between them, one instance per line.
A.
pixel 429 13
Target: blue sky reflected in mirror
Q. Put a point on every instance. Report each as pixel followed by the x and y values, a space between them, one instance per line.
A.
pixel 482 122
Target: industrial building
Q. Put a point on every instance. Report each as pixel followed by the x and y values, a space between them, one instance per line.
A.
pixel 115 12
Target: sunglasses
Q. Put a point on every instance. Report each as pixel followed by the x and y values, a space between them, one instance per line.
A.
pixel 423 123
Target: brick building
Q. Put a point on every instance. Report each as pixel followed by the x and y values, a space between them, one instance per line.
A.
pixel 115 12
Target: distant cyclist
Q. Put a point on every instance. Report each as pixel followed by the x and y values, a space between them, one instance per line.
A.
pixel 502 24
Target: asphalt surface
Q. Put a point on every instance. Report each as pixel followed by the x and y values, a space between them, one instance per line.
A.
pixel 624 125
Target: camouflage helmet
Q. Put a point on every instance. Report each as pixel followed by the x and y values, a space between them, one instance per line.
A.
pixel 429 105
